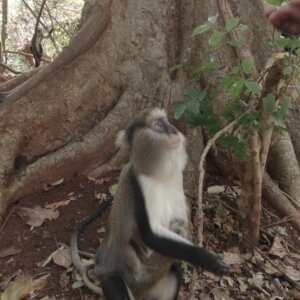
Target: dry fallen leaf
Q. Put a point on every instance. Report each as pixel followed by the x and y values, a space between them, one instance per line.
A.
pixel 233 258
pixel 20 289
pixel 101 196
pixel 9 251
pixel 220 294
pixel 216 189
pixel 257 280
pixel 41 281
pixel 47 187
pixel 242 284
pixel 36 216
pixel 269 268
pixel 290 272
pixel 8 279
pixel 46 261
pixel 58 204
pixel 277 248
pixel 63 258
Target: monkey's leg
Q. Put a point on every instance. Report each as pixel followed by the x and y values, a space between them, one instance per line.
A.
pixel 168 287
pixel 114 287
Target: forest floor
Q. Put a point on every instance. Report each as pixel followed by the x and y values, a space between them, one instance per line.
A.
pixel 35 259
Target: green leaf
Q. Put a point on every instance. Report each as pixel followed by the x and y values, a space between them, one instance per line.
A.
pixel 215 39
pixel 238 43
pixel 233 110
pixel 206 26
pixel 288 70
pixel 275 2
pixel 232 24
pixel 236 70
pixel 278 119
pixel 253 87
pixel 240 150
pixel 233 143
pixel 179 108
pixel 191 92
pixel 210 67
pixel 113 189
pixel 213 19
pixel 228 141
pixel 284 106
pixel 269 103
pixel 283 42
pixel 247 66
pixel 234 85
pixel 250 119
pixel 201 29
pixel 243 27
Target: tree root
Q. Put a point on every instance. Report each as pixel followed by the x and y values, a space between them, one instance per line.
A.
pixel 280 202
pixel 16 81
pixel 286 169
pixel 95 148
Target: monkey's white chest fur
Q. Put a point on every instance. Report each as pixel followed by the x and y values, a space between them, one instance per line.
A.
pixel 165 201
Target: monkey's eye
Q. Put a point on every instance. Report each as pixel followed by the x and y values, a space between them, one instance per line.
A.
pixel 158 125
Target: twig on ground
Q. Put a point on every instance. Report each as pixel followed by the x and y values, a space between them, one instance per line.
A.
pixel 4 223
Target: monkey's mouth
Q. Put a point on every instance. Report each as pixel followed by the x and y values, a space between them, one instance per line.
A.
pixel 174 141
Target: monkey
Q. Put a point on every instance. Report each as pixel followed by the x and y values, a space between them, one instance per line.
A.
pixel 36 45
pixel 146 237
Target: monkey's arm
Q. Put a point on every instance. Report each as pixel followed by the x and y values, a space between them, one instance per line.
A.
pixel 169 243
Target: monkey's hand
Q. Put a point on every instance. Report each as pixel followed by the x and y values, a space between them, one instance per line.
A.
pixel 215 264
pixel 286 18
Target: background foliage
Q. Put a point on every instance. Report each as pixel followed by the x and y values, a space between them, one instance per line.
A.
pixel 62 15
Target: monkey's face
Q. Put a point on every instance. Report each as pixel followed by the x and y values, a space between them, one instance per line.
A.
pixel 154 143
pixel 170 132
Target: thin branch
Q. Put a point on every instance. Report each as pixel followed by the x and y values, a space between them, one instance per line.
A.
pixel 57 22
pixel 4 223
pixel 203 157
pixel 27 54
pixel 9 68
pixel 38 19
pixel 199 212
pixel 33 13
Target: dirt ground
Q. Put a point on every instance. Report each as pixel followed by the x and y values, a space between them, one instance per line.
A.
pixel 32 245
pixel 37 243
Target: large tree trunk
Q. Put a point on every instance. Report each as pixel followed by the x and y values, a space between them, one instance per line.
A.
pixel 64 119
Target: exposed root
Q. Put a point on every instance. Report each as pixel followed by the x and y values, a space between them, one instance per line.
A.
pixel 280 202
pixel 95 148
pixel 114 164
pixel 283 166
pixel 86 37
pixel 16 81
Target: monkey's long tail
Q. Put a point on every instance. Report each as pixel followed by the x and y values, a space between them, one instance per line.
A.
pixel 78 229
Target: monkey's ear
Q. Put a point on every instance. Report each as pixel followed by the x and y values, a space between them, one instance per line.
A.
pixel 121 140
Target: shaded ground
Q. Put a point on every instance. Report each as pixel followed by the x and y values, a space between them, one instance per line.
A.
pixel 38 243
pixel 251 278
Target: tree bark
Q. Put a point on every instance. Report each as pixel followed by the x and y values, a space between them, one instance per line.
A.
pixel 63 120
